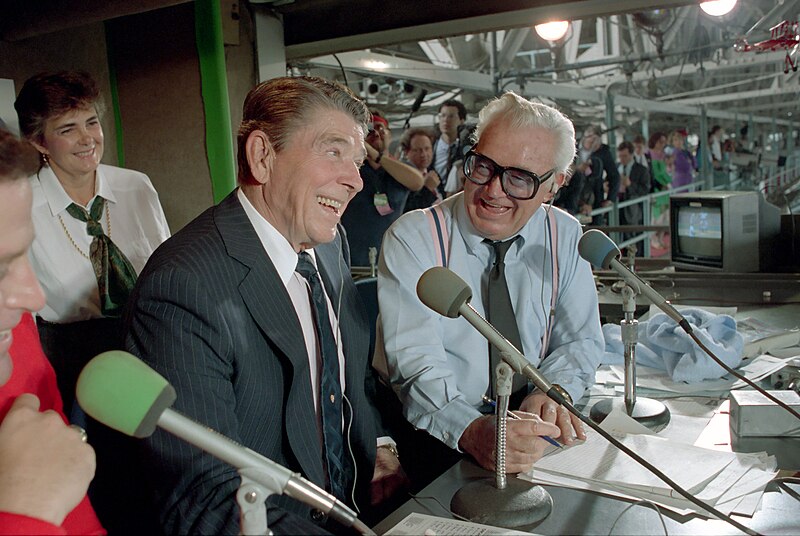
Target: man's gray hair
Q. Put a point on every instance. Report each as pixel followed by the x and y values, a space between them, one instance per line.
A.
pixel 521 113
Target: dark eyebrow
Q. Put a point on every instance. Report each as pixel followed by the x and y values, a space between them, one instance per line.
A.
pixel 73 123
pixel 65 125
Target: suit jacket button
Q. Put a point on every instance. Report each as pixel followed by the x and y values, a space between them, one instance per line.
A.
pixel 318 516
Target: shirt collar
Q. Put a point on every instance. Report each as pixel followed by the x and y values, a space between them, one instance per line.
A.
pixel 57 198
pixel 278 249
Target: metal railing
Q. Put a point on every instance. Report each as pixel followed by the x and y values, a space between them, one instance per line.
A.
pixel 648 202
pixel 780 185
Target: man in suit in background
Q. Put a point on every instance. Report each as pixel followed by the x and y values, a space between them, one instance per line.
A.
pixel 597 164
pixel 634 182
pixel 227 311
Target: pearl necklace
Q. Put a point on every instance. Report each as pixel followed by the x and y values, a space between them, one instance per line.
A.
pixel 72 241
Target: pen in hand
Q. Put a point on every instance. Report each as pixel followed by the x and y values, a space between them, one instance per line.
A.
pixel 512 415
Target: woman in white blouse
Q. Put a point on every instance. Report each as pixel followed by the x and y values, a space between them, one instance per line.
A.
pixel 96 225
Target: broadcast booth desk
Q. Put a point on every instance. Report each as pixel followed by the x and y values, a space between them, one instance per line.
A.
pixel 772 298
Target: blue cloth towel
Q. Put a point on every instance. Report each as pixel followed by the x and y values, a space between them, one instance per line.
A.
pixel 662 344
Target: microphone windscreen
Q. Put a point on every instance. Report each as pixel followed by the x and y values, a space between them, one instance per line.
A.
pixel 123 393
pixel 443 291
pixel 595 247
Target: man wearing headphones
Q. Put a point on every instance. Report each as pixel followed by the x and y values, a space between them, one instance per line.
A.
pixel 519 255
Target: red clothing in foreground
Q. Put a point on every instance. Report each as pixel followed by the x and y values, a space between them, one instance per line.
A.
pixel 33 374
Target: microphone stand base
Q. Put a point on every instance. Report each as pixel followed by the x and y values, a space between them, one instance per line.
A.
pixel 651 413
pixel 520 504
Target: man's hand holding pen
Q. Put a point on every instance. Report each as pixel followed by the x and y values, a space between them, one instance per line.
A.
pixel 525 442
pixel 570 426
pixel 521 415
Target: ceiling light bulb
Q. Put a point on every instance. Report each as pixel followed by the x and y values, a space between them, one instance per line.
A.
pixel 376 65
pixel 552 31
pixel 718 8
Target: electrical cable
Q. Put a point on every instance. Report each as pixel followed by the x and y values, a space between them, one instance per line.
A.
pixel 650 467
pixel 722 301
pixel 783 483
pixel 352 456
pixel 344 74
pixel 749 382
pixel 340 261
pixel 647 503
pixel 418 498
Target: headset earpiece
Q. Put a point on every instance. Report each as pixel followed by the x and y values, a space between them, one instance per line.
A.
pixel 553 186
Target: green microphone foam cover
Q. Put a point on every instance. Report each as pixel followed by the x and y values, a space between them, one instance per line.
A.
pixel 123 393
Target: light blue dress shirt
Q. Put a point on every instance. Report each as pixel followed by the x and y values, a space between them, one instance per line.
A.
pixel 440 366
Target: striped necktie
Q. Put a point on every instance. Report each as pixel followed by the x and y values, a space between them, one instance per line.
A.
pixel 330 388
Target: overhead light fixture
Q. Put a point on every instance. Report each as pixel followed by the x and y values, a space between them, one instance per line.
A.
pixel 552 31
pixel 376 65
pixel 718 8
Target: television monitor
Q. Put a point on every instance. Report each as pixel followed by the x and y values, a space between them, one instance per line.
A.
pixel 723 231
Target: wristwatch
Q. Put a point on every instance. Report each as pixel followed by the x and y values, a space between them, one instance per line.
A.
pixel 391 448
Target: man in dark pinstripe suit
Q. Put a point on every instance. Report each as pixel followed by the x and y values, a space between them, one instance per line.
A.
pixel 220 311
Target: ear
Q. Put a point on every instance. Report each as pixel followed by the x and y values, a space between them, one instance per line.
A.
pixel 260 156
pixel 555 184
pixel 39 147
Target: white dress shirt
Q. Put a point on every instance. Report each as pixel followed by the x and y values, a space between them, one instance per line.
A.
pixel 284 257
pixel 441 151
pixel 138 227
pixel 440 366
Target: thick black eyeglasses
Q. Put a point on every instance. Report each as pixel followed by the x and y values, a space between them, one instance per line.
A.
pixel 516 183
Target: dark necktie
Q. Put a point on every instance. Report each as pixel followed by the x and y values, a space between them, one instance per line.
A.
pixel 115 275
pixel 330 388
pixel 501 315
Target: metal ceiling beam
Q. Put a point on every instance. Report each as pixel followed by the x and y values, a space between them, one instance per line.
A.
pixel 358 33
pixel 563 92
pixel 371 64
pixel 655 106
pixel 383 65
pixel 683 109
pixel 747 60
pixel 677 96
pixel 511 44
pixel 768 106
pixel 742 95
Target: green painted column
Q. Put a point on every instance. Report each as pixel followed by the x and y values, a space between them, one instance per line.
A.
pixel 214 81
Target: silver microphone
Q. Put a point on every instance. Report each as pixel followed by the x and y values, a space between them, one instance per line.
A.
pixel 446 293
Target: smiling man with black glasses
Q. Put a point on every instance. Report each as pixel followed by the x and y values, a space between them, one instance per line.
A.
pixel 519 255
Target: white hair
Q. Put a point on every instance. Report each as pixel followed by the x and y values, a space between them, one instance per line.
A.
pixel 522 113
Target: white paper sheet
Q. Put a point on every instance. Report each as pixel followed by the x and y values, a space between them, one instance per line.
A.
pixel 425 525
pixel 596 460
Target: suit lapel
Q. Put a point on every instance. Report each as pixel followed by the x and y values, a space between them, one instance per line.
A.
pixel 329 264
pixel 352 320
pixel 270 306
